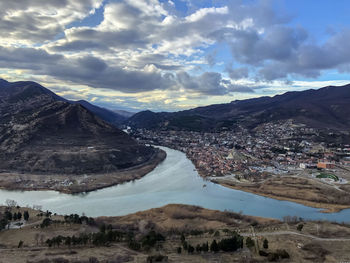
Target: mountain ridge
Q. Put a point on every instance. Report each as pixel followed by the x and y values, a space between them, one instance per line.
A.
pixel 41 133
pixel 321 108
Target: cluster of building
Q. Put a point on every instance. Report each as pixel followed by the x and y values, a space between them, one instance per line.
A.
pixel 271 148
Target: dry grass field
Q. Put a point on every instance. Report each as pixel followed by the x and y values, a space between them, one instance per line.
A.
pixel 315 242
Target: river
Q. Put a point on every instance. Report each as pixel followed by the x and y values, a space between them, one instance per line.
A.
pixel 175 180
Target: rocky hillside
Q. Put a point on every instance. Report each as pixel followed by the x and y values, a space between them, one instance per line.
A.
pixel 43 133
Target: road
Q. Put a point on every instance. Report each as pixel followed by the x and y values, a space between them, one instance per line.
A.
pixel 277 233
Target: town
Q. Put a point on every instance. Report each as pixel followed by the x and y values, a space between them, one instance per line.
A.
pixel 269 149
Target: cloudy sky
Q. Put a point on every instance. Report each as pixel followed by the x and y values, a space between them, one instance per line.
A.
pixel 174 54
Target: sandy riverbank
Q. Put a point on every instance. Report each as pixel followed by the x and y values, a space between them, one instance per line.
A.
pixel 73 184
pixel 309 195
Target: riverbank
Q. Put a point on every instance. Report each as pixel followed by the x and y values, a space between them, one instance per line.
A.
pixel 74 184
pixel 298 190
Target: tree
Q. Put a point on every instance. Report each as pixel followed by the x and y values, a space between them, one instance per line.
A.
pixel 46 222
pixel 190 249
pixel 48 213
pixel 179 250
pixel 198 248
pixel 11 203
pixel 249 242
pixel 205 247
pixel 266 244
pixel 282 253
pixel 19 215
pixel 20 244
pixel 231 244
pixel 8 215
pixel 183 239
pixel 214 246
pixel 26 215
pixel 15 216
pixel 68 241
pixel 300 227
pixel 103 228
pixel 3 223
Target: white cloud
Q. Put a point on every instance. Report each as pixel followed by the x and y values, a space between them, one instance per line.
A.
pixel 147 46
pixel 25 22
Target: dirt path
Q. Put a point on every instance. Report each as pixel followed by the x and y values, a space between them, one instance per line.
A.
pixel 277 233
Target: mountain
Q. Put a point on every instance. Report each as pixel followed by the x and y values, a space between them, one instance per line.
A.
pixel 113 118
pixel 124 113
pixel 41 132
pixel 323 108
pixel 148 119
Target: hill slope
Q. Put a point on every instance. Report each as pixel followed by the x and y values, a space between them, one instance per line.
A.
pixel 42 133
pixel 109 116
pixel 323 108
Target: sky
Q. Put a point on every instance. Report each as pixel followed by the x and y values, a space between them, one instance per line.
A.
pixel 170 55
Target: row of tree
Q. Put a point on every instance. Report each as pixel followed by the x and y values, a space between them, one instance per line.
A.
pixel 71 219
pixel 76 219
pixel 16 216
pixel 8 216
pixel 107 236
pixel 97 239
pixel 226 244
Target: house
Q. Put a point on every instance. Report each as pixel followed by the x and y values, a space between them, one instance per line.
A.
pixel 325 165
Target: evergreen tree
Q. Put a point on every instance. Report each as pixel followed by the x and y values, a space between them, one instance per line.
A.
pixel 8 215
pixel 20 244
pixel 185 245
pixel 205 247
pixel 214 246
pixel 190 249
pixel 266 244
pixel 26 215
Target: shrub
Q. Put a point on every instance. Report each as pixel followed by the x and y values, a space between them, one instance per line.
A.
pixel 300 227
pixel 266 244
pixel 249 242
pixel 283 253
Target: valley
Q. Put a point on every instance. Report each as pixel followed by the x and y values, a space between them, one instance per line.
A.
pixel 278 160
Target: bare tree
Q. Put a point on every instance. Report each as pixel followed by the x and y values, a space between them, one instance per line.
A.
pixel 11 203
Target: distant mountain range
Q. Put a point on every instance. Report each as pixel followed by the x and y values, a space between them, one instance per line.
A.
pixel 41 132
pixel 115 118
pixel 325 108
